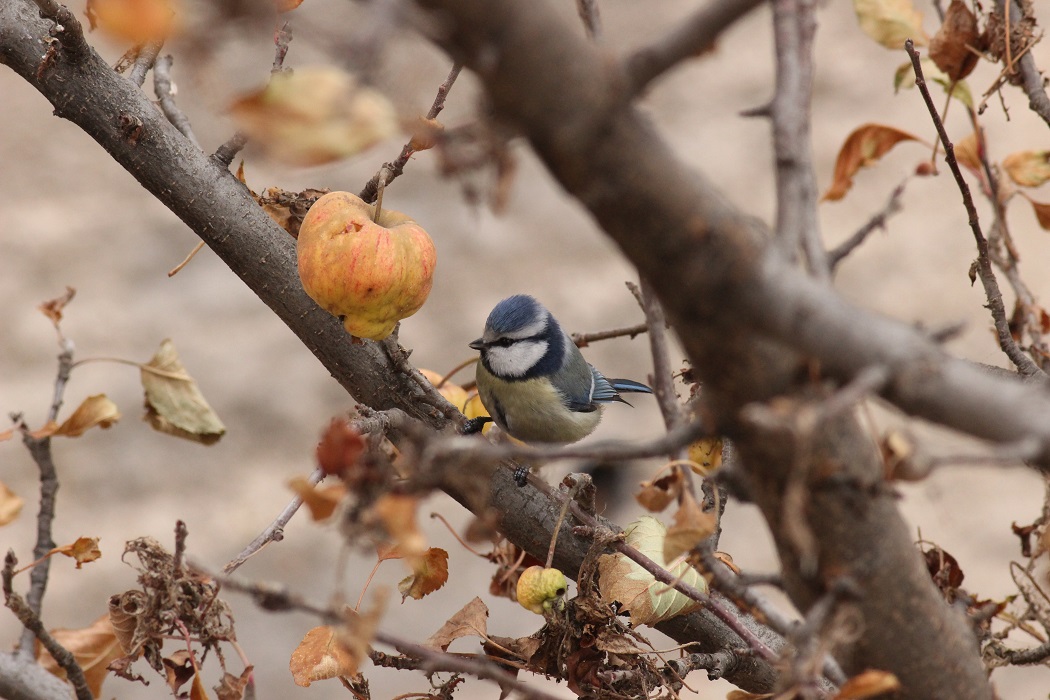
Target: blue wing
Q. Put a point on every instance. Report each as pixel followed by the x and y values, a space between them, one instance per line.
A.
pixel 606 390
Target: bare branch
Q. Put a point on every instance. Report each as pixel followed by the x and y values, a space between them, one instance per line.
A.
pixel 582 340
pixel 893 205
pixel 797 225
pixel 694 36
pixel 144 61
pixel 1023 362
pixel 163 88
pixel 1034 83
pixel 391 171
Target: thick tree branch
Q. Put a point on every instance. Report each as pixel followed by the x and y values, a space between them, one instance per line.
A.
pixel 1034 83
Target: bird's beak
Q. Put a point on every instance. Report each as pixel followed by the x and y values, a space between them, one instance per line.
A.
pixel 478 344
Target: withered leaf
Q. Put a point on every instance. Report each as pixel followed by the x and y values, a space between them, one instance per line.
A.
pixel 321 655
pixel 83 550
pixel 232 687
pixel 956 46
pixel 863 147
pixel 94 648
pixel 397 514
pixel 174 403
pixel 340 448
pixel 1028 168
pixel 10 504
pixel 315 115
pixel 94 411
pixel 657 494
pixel 868 684
pixel 425 133
pixel 1042 213
pixel 429 573
pixel 321 500
pixel 691 527
pixel 52 308
pixel 471 620
pixel 967 152
pixel 135 21
pixel 178 670
pixel 705 455
pixel 890 22
pixel 197 690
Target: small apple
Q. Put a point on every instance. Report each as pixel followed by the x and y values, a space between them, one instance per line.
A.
pixel 370 273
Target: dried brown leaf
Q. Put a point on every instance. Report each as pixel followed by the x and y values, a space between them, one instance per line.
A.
pixel 10 504
pixel 321 500
pixel 471 620
pixel 94 647
pixel 340 448
pixel 83 550
pixel 967 152
pixel 429 573
pixel 863 147
pixel 956 46
pixel 868 684
pixel 232 687
pixel 174 403
pixel 178 670
pixel 52 308
pixel 656 495
pixel 425 133
pixel 691 527
pixel 197 690
pixel 320 656
pixel 397 514
pixel 94 411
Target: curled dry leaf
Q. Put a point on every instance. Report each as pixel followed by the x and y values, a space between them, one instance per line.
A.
pixel 863 147
pixel 174 403
pixel 691 527
pixel 958 43
pixel 868 684
pixel 94 411
pixel 315 115
pixel 429 573
pixel 52 308
pixel 94 648
pixel 232 687
pixel 1028 168
pixel 425 133
pixel 83 550
pixel 471 620
pixel 1042 212
pixel 891 22
pixel 340 448
pixel 179 670
pixel 657 494
pixel 137 21
pixel 321 500
pixel 10 504
pixel 647 600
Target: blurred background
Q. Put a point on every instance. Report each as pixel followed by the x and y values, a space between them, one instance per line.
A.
pixel 71 216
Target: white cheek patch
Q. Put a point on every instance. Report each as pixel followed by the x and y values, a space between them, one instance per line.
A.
pixel 516 360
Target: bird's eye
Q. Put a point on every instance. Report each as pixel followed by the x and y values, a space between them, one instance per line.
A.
pixel 503 342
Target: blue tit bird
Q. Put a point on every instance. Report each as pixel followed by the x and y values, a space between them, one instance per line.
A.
pixel 533 380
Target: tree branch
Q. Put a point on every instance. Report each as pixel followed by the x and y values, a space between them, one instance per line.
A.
pixel 1034 83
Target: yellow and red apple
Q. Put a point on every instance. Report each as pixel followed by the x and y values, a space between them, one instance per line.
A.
pixel 370 273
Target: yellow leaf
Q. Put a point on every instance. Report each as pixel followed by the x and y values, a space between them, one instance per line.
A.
pixel 397 514
pixel 429 573
pixel 315 115
pixel 706 455
pixel 890 22
pixel 94 648
pixel 96 410
pixel 647 600
pixel 10 504
pixel 453 393
pixel 137 21
pixel 967 152
pixel 1028 168
pixel 863 147
pixel 174 404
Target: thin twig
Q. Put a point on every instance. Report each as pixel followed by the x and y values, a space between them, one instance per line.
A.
pixel 165 92
pixel 225 153
pixel 185 261
pixel 663 375
pixel 144 61
pixel 273 533
pixel 797 225
pixel 893 205
pixel 691 38
pixel 1034 87
pixel 1023 362
pixel 40 450
pixel 282 37
pixel 30 619
pixel 395 168
pixel 67 30
pixel 592 20
pixel 582 340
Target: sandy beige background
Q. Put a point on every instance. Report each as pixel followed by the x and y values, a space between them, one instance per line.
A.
pixel 70 216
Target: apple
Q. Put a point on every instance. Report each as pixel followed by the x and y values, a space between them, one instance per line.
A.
pixel 370 273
